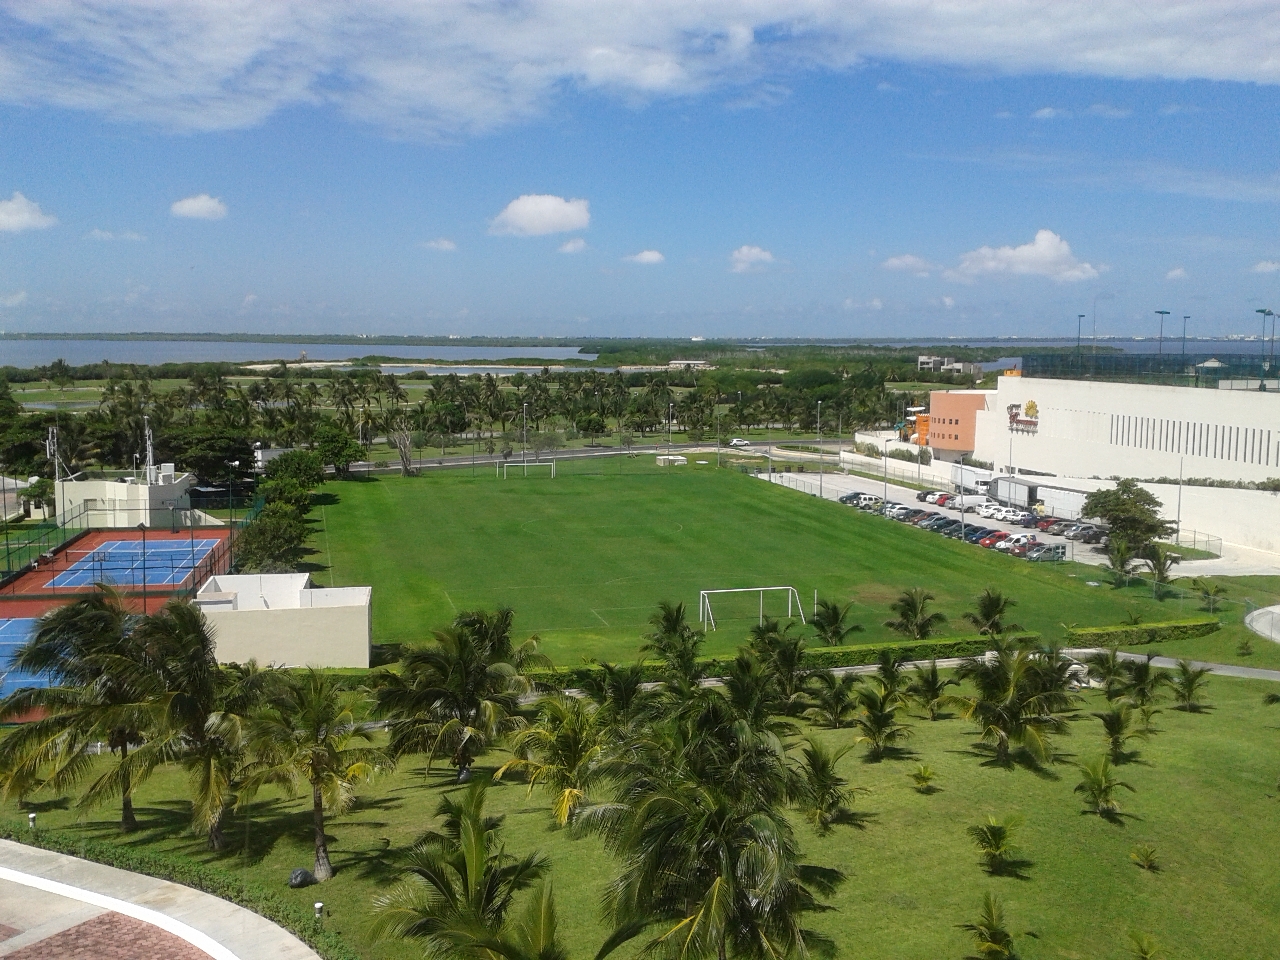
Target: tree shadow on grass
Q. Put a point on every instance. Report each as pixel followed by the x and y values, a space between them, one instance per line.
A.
pixel 1013 868
pixel 1019 759
pixel 890 753
pixel 1114 817
pixel 324 499
pixel 44 806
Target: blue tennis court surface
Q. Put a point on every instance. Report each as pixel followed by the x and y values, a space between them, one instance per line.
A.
pixel 13 634
pixel 124 563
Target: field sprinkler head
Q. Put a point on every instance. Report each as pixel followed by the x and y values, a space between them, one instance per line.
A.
pixel 319 910
pixel 31 821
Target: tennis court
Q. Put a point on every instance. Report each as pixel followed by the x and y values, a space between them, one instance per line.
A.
pixel 133 563
pixel 13 634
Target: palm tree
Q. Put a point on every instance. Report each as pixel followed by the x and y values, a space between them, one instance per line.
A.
pixel 459 695
pixel 1098 786
pixel 199 718
pixel 1010 705
pixel 675 642
pixel 460 883
pixel 835 698
pixel 929 687
pixel 822 795
pixel 878 721
pixel 913 620
pixel 1211 593
pixel 1188 685
pixel 1143 947
pixel 1117 726
pixel 305 739
pixel 996 851
pixel 889 673
pixel 1111 670
pixel 1142 686
pixel 100 691
pixel 991 940
pixel 1120 560
pixel 564 749
pixel 993 608
pixel 830 622
pixel 782 655
pixel 621 695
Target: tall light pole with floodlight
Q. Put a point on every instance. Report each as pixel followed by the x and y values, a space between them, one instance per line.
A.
pixel 1162 314
pixel 819 449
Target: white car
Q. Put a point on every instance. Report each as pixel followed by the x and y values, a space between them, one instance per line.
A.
pixel 988 510
pixel 1007 514
pixel 932 496
pixel 1017 540
pixel 739 442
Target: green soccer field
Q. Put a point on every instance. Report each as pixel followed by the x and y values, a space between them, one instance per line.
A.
pixel 584 558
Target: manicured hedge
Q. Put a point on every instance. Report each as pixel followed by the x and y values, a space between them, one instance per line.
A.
pixel 177 869
pixel 815 658
pixel 1126 634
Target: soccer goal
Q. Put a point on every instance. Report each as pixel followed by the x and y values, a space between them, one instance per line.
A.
pixel 708 620
pixel 522 469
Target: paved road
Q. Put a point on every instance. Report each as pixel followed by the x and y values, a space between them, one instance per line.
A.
pixel 55 906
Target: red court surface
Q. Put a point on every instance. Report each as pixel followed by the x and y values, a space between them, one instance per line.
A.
pixel 47 581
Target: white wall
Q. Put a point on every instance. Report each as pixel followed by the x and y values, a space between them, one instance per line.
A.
pixel 114 504
pixel 305 637
pixel 1089 428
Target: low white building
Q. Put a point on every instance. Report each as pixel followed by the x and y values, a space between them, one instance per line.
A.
pixel 282 619
pixel 151 499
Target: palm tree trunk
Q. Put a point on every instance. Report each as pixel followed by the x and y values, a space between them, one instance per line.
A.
pixel 217 839
pixel 128 822
pixel 323 869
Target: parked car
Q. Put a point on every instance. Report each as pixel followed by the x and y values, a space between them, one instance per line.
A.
pixel 1096 535
pixel 869 502
pixel 994 537
pixel 739 442
pixel 1028 520
pixel 1021 549
pixel 975 534
pixel 910 516
pixel 945 525
pixel 936 522
pixel 928 515
pixel 1079 530
pixel 1060 527
pixel 850 499
pixel 931 496
pixel 944 498
pixel 1017 540
pixel 1044 523
pixel 1046 552
pixel 989 509
pixel 1008 514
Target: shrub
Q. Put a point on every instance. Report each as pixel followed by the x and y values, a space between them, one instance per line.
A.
pixel 273 541
pixel 198 876
pixel 304 467
pixel 815 658
pixel 1125 635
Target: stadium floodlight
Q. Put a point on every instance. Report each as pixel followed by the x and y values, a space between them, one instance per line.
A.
pixel 708 620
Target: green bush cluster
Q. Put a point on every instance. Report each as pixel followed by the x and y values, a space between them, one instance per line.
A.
pixel 198 876
pixel 1125 634
pixel 815 658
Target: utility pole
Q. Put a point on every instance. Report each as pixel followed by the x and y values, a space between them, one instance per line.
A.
pixel 1079 329
pixel 1184 336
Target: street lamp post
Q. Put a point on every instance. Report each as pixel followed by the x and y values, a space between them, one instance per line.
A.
pixel 231 507
pixel 1079 330
pixel 819 449
pixel 884 459
pixel 671 412
pixel 524 436
pixel 1163 314
pixel 1184 336
pixel 1265 313
pixel 143 528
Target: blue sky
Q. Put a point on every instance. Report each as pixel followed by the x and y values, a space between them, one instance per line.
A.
pixel 751 171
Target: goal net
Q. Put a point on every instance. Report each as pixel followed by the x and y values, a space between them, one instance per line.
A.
pixel 522 469
pixel 708 619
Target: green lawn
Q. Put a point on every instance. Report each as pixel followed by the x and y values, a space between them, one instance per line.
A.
pixel 584 559
pixel 1205 799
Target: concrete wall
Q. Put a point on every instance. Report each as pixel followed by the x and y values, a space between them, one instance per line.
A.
pixel 1089 428
pixel 953 416
pixel 299 637
pixel 113 504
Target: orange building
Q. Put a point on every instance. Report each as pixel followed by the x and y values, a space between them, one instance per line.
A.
pixel 952 423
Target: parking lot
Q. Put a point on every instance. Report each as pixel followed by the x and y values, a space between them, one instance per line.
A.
pixel 835 485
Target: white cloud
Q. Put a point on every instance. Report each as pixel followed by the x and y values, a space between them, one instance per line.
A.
pixel 1048 255
pixel 457 66
pixel 1266 266
pixel 748 258
pixel 537 214
pixel 200 207
pixel 1049 113
pixel 1177 273
pixel 18 214
pixel 441 244
pixel 249 300
pixel 948 302
pixel 876 303
pixel 129 235
pixel 14 299
pixel 576 245
pixel 1109 112
pixel 646 256
pixel 909 261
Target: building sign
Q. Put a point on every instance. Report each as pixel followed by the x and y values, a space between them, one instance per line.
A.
pixel 1024 418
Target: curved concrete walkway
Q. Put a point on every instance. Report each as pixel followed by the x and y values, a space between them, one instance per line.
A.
pixel 1265 622
pixel 55 906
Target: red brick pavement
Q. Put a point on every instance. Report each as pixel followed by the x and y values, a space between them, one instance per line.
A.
pixel 111 936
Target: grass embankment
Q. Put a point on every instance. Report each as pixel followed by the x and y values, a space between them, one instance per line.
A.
pixel 1204 785
pixel 585 558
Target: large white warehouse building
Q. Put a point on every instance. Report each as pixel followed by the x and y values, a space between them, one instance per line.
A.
pixel 1076 428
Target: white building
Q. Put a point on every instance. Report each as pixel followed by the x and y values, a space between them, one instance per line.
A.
pixel 1075 428
pixel 151 499
pixel 281 619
